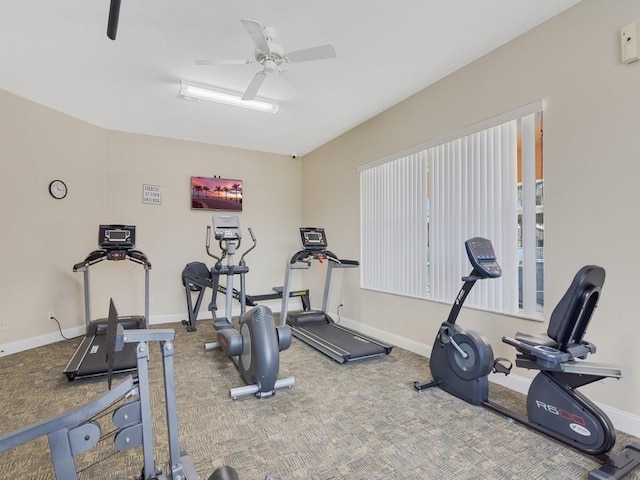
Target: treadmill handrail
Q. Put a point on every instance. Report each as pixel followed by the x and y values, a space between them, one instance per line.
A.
pixel 307 255
pixel 98 256
pixel 94 257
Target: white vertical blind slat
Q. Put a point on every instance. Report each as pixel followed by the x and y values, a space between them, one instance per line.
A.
pixel 476 172
pixel 393 215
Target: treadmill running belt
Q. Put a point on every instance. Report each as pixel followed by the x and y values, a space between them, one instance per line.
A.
pixel 351 345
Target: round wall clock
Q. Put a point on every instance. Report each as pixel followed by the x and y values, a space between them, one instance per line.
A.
pixel 58 189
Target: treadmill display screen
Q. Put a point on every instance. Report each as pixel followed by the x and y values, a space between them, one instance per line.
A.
pixel 117 237
pixel 313 238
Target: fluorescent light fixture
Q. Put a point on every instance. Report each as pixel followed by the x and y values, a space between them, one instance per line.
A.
pixel 195 91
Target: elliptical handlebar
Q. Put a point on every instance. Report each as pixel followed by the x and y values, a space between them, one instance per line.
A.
pixel 208 244
pixel 255 242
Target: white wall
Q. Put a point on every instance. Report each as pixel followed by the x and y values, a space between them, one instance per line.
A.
pixel 43 238
pixel 592 103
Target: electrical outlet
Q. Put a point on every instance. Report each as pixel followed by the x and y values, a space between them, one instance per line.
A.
pixel 1 327
pixel 341 304
pixel 51 315
pixel 151 302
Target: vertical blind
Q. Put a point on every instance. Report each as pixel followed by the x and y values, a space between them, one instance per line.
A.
pixel 419 206
pixel 473 186
pixel 394 226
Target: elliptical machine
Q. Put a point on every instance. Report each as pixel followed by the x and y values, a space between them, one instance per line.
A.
pixel 461 361
pixel 256 345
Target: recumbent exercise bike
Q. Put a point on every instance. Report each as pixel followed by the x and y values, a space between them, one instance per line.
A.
pixel 461 361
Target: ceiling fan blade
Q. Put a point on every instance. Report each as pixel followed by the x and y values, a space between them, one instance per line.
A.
pixel 254 86
pixel 256 33
pixel 320 52
pixel 114 14
pixel 229 61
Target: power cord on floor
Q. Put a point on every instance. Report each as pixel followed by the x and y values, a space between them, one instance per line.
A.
pixel 59 327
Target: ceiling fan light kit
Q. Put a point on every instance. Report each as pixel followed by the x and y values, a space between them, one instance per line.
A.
pixel 196 91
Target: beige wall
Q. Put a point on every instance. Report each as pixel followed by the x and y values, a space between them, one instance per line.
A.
pixel 173 235
pixel 591 153
pixel 43 238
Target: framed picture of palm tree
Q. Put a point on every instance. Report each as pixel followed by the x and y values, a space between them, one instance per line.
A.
pixel 215 193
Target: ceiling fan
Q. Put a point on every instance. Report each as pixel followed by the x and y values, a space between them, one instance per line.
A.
pixel 271 56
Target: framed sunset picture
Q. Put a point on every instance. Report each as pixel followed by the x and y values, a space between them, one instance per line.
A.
pixel 213 193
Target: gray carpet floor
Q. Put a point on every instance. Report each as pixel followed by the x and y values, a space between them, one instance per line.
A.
pixel 354 421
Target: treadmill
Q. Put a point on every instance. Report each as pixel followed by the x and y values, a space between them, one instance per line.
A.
pixel 316 327
pixel 117 243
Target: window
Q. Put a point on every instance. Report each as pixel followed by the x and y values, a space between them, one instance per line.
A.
pixel 418 208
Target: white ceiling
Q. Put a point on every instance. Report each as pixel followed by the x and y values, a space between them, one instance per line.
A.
pixel 56 53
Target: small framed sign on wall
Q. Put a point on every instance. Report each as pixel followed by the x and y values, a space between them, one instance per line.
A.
pixel 152 194
pixel 215 193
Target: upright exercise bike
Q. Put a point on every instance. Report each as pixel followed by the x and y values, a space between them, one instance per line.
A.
pixel 256 346
pixel 461 361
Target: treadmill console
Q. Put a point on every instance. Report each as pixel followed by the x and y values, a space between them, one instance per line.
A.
pixel 482 257
pixel 313 238
pixel 226 227
pixel 117 237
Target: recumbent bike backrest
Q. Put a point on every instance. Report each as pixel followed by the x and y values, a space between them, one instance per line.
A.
pixel 570 318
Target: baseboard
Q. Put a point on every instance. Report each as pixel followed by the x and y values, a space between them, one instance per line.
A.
pixel 622 421
pixel 397 340
pixel 48 338
pixel 34 342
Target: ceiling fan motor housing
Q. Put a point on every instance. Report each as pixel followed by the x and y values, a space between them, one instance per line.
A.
pixel 275 54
